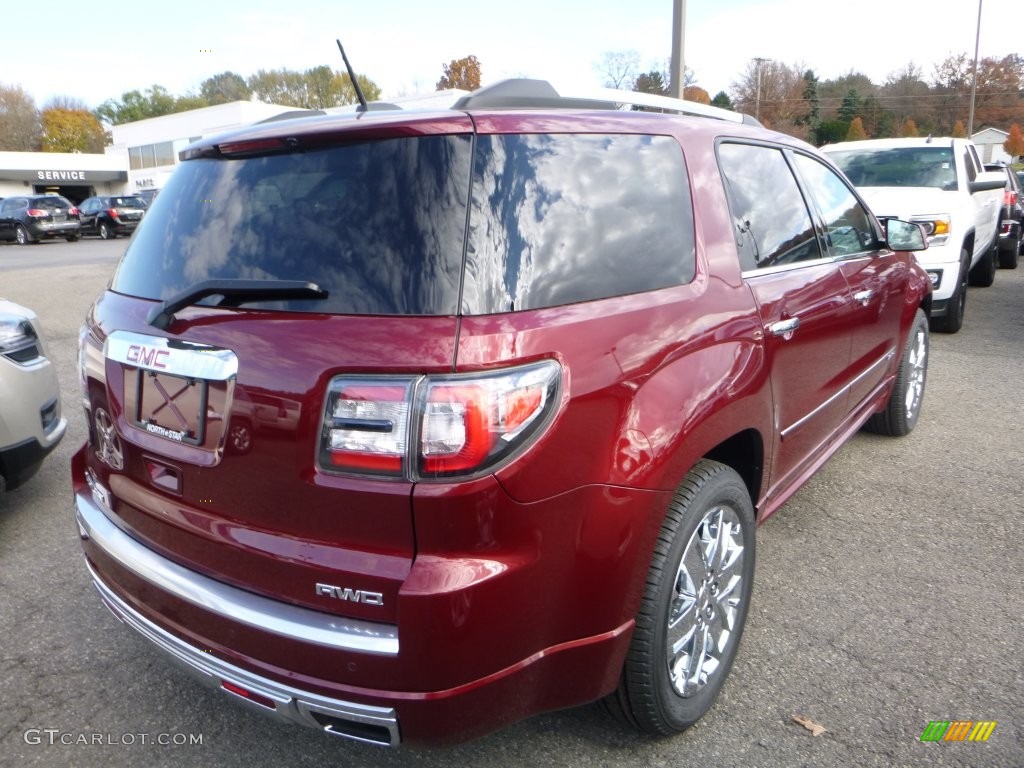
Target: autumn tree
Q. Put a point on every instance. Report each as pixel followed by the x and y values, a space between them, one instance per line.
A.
pixel 959 132
pixel 1014 144
pixel 71 130
pixel 909 128
pixel 906 94
pixel 773 92
pixel 856 132
pixel 225 88
pixel 696 94
pixel 19 120
pixel 461 73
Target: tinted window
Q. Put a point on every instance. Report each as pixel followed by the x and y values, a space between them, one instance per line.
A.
pixel 848 225
pixel 380 225
pixel 773 226
pixel 127 202
pixel 51 203
pixel 899 167
pixel 558 219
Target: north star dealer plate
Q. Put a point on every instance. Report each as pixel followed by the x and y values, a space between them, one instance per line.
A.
pixel 171 406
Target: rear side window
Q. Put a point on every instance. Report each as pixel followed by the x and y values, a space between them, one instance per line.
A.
pixel 564 218
pixel 380 225
pixel 773 226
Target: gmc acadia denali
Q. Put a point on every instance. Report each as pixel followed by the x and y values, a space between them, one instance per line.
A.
pixel 409 425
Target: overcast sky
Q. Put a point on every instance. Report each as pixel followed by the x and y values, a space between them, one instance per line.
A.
pixel 403 44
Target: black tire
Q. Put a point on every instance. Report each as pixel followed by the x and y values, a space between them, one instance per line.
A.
pixel 106 233
pixel 984 272
pixel 953 320
pixel 72 238
pixel 904 404
pixel 1008 256
pixel 22 236
pixel 683 583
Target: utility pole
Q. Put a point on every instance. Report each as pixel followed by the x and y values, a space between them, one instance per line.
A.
pixel 757 103
pixel 974 76
pixel 677 76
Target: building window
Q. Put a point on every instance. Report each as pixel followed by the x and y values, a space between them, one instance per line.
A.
pixel 151 155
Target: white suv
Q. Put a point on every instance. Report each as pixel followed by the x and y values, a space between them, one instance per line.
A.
pixel 941 184
pixel 30 418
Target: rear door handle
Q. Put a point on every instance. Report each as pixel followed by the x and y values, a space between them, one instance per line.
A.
pixel 784 327
pixel 863 296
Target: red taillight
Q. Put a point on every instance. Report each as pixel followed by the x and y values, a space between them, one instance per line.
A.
pixel 72 211
pixel 435 426
pixel 37 213
pixel 366 425
pixel 112 212
pixel 245 693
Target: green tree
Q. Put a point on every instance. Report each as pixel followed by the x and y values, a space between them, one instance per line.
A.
pixel 135 105
pixel 651 82
pixel 813 114
pixel 19 121
pixel 831 132
pixel 225 88
pixel 71 130
pixel 316 88
pixel 850 106
pixel 461 73
pixel 722 100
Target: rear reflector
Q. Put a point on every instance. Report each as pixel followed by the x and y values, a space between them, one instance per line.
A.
pixel 255 698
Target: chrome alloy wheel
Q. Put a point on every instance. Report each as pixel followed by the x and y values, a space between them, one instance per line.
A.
pixel 108 444
pixel 918 367
pixel 706 601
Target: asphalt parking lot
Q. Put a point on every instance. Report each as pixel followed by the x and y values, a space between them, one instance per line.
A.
pixel 888 594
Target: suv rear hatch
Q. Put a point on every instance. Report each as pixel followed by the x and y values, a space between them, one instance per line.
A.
pixel 220 398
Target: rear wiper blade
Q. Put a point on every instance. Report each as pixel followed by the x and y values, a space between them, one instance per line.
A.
pixel 235 292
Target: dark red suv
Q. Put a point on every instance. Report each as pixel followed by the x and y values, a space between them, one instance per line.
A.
pixel 408 426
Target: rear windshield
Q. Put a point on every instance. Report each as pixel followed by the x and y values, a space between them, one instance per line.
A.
pixel 380 225
pixel 127 202
pixel 49 203
pixel 899 167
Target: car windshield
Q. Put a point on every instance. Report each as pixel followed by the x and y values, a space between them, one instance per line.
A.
pixel 899 167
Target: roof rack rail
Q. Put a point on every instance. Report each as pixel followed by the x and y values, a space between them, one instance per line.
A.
pixel 525 93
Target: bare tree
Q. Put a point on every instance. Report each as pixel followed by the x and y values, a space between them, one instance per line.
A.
pixel 618 68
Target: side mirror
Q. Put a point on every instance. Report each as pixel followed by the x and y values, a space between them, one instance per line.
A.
pixel 904 235
pixel 987 181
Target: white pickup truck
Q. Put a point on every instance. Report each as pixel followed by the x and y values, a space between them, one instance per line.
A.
pixel 941 184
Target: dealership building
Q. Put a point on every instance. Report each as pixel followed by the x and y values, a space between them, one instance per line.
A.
pixel 141 157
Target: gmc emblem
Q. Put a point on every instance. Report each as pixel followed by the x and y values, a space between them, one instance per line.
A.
pixel 352 595
pixel 149 356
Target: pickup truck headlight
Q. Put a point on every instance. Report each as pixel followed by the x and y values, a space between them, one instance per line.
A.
pixel 936 228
